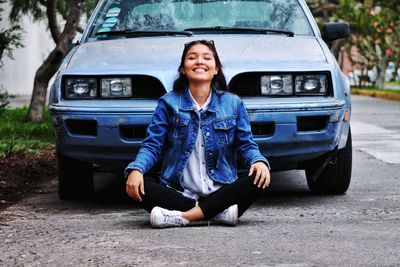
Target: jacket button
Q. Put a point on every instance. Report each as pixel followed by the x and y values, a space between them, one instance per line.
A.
pixel 210 154
pixel 207 133
pixel 212 171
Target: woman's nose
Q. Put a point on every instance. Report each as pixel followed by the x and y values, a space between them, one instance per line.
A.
pixel 200 61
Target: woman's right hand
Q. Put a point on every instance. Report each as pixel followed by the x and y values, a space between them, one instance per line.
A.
pixel 135 185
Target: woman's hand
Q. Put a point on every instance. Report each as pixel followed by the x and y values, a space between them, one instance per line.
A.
pixel 263 177
pixel 135 184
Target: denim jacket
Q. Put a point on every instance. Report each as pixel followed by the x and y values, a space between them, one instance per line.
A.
pixel 172 134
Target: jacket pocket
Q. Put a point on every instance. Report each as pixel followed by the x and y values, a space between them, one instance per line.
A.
pixel 178 127
pixel 225 130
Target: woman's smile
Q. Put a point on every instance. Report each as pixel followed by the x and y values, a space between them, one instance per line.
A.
pixel 200 69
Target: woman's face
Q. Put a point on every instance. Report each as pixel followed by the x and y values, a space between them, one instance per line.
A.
pixel 199 65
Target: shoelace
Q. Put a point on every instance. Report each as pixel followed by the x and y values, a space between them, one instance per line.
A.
pixel 221 215
pixel 172 218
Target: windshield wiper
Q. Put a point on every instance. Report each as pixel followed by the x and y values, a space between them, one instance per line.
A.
pixel 145 33
pixel 221 29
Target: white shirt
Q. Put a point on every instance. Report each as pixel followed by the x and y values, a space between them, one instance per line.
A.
pixel 196 182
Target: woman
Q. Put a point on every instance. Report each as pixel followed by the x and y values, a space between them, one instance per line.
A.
pixel 197 132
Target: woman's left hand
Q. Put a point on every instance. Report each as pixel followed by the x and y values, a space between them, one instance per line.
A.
pixel 262 177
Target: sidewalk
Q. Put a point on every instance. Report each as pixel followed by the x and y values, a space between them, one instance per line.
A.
pixel 392 87
pixel 19 101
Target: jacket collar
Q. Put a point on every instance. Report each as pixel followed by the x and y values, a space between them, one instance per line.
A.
pixel 187 104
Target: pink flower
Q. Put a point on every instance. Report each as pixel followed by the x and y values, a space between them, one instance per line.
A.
pixel 379 30
pixel 389 52
pixel 372 12
pixel 375 24
pixel 389 30
pixel 378 41
pixel 391 24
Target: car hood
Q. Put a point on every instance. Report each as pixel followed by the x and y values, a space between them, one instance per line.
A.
pixel 160 56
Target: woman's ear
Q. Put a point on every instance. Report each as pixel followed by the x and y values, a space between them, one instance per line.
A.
pixel 182 71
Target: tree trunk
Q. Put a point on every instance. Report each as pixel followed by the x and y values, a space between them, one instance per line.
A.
pixel 381 67
pixel 41 82
pixel 1 52
pixel 394 73
pixel 51 12
pixel 53 62
pixel 335 48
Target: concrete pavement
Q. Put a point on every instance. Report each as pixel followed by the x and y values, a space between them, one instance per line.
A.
pixel 19 101
pixel 288 226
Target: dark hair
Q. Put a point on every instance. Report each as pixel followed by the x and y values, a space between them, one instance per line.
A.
pixel 219 81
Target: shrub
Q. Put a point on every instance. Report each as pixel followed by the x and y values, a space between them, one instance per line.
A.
pixel 4 96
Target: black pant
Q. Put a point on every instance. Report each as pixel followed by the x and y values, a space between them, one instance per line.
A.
pixel 242 192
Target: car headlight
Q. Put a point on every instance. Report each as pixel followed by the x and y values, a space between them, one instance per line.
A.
pixel 77 88
pixel 116 87
pixel 276 85
pixel 311 84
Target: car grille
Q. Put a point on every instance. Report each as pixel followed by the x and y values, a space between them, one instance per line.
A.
pixel 312 123
pixel 263 129
pixel 132 132
pixel 246 84
pixel 147 87
pixel 81 127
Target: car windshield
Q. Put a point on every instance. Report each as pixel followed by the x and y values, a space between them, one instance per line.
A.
pixel 120 18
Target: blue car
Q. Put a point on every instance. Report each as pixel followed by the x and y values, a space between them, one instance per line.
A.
pixel 274 58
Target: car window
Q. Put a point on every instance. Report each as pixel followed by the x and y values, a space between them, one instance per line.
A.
pixel 177 15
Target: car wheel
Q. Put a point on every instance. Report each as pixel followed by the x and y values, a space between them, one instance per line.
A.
pixel 335 178
pixel 75 178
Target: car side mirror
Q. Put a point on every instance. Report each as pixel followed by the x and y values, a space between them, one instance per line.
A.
pixel 335 30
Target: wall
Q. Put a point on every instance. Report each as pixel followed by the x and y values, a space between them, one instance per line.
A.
pixel 17 75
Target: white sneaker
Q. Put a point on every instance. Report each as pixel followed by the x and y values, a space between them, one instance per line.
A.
pixel 162 218
pixel 228 216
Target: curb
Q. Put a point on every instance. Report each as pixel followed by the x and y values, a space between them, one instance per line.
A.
pixel 382 95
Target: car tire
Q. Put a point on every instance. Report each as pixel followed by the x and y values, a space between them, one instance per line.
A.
pixel 75 178
pixel 335 178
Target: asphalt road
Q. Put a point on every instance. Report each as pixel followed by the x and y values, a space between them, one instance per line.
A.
pixel 286 227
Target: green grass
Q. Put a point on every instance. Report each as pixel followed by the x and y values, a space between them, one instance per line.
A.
pixel 18 135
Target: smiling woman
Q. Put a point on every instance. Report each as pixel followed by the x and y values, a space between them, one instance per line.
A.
pixel 198 178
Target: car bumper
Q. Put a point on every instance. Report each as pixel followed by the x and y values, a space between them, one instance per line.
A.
pixel 287 133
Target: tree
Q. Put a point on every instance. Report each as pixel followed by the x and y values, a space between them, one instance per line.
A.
pixel 376 33
pixel 323 12
pixel 9 38
pixel 71 12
